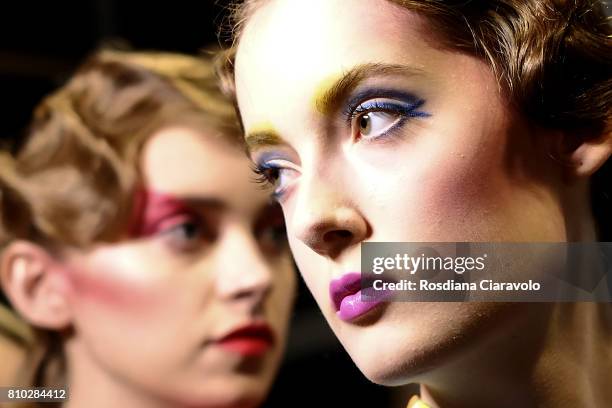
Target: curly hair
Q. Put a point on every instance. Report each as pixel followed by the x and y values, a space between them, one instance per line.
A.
pixel 73 178
pixel 552 59
pixel 79 153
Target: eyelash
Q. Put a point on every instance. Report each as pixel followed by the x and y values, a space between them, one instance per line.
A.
pixel 405 112
pixel 263 179
pixel 175 231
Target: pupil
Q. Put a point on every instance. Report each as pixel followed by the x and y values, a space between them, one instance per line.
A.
pixel 364 122
pixel 190 230
pixel 272 175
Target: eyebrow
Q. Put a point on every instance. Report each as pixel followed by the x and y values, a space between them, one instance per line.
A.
pixel 262 138
pixel 331 96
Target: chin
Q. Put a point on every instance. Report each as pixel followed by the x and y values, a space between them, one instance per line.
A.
pixel 231 391
pixel 228 399
pixel 389 366
pixel 414 339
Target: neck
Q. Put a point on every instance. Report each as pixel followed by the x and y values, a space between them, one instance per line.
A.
pixel 90 385
pixel 559 356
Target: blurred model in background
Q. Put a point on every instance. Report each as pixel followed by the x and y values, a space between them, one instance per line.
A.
pixel 150 269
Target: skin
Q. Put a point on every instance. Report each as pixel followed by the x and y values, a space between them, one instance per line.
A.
pixel 146 313
pixel 466 168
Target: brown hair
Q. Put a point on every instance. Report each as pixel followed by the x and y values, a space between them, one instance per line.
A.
pixel 553 60
pixel 72 180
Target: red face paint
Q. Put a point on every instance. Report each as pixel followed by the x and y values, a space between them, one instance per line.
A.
pixel 153 212
pixel 151 209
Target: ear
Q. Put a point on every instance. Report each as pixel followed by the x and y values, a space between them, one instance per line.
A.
pixel 584 155
pixel 34 283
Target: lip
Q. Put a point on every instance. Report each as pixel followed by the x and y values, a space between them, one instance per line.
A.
pixel 346 295
pixel 250 340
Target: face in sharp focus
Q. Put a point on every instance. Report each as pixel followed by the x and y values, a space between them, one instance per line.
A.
pixel 371 130
pixel 194 307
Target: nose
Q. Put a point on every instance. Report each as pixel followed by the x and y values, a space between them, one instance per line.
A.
pixel 326 219
pixel 243 274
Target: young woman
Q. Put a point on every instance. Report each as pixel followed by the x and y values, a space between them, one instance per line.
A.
pixel 436 121
pixel 155 272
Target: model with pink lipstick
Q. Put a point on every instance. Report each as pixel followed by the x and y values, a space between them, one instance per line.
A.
pixel 438 121
pixel 150 270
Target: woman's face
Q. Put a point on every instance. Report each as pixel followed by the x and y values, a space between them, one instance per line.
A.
pixel 372 131
pixel 194 307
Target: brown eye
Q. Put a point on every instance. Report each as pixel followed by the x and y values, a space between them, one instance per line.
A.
pixel 376 123
pixel 365 125
pixel 278 173
pixel 271 174
pixel 184 233
pixel 270 230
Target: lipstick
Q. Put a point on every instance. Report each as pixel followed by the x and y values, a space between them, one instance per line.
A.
pixel 347 296
pixel 251 340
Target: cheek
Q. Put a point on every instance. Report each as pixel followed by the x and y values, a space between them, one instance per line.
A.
pixel 105 287
pixel 462 180
pixel 313 268
pixel 119 283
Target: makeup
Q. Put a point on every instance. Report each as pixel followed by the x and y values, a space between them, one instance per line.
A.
pixel 152 209
pixel 333 90
pixel 277 170
pixel 250 340
pixel 319 98
pixel 346 295
pixel 262 135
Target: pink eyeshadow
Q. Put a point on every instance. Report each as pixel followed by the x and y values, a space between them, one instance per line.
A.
pixel 151 208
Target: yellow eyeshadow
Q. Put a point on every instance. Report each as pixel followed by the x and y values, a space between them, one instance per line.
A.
pixel 319 102
pixel 262 127
pixel 262 134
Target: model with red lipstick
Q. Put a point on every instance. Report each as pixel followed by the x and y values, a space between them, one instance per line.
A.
pixel 153 272
pixel 438 121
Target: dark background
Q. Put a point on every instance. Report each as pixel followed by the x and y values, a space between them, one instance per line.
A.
pixel 41 43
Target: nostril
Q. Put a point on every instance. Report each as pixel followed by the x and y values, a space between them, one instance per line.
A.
pixel 338 235
pixel 345 233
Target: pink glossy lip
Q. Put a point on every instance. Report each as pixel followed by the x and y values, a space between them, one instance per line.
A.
pixel 346 295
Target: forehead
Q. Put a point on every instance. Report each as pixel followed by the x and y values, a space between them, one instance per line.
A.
pixel 291 50
pixel 195 163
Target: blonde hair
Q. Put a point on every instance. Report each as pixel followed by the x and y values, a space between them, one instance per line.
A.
pixel 84 139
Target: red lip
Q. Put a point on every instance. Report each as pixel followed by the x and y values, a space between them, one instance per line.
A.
pixel 249 340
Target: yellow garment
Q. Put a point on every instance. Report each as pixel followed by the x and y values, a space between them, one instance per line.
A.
pixel 14 328
pixel 415 402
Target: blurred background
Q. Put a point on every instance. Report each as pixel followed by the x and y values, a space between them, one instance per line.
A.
pixel 42 42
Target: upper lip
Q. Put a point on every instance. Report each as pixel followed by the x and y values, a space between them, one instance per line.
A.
pixel 261 331
pixel 347 284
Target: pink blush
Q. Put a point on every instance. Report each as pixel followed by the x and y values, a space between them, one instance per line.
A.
pixel 110 290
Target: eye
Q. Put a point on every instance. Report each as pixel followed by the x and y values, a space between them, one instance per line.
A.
pixel 270 230
pixel 278 173
pixel 267 174
pixel 374 124
pixel 183 233
pixel 376 118
pixel 273 238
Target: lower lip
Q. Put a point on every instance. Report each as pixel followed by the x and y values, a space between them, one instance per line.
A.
pixel 246 346
pixel 353 307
